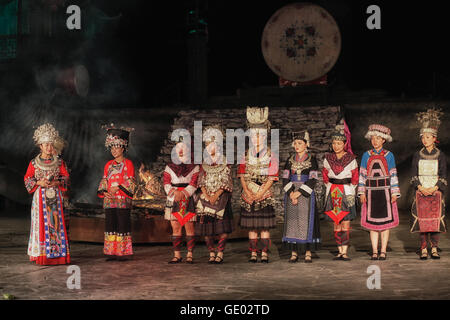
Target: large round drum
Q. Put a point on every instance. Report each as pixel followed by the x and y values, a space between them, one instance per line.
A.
pixel 301 42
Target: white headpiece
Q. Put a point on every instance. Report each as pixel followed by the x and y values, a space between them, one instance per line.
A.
pixel 380 131
pixel 45 133
pixel 258 117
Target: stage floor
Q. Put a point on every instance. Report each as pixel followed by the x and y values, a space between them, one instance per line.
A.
pixel 148 276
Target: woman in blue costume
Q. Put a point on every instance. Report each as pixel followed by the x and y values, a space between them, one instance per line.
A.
pixel 301 223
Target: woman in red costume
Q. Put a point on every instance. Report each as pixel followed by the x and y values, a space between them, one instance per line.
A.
pixel 117 188
pixel 340 176
pixel 47 178
pixel 180 182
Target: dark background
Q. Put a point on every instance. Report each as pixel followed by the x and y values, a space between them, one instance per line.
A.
pixel 141 58
pixel 403 57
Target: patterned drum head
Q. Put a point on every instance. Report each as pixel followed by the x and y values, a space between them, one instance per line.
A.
pixel 301 42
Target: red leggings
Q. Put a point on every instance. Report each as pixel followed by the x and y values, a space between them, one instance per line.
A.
pixel 434 239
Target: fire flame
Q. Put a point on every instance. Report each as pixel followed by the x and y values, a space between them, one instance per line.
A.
pixel 150 186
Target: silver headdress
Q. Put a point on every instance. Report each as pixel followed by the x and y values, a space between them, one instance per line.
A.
pixel 117 137
pixel 258 117
pixel 45 133
pixel 430 121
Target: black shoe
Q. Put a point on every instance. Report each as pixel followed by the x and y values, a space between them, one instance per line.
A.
pixel 253 259
pixel 265 259
pixel 374 256
pixel 218 260
pixel 435 254
pixel 189 260
pixel 345 257
pixel 382 256
pixel 175 260
pixel 111 258
pixel 338 257
pixel 293 260
pixel 212 260
pixel 308 259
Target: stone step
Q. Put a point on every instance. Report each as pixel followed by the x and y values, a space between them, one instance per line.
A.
pixel 318 120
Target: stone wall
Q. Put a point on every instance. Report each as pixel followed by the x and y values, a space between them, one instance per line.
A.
pixel 319 121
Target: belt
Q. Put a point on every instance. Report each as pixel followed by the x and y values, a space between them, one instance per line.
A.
pixel 340 181
pixel 180 185
pixel 378 182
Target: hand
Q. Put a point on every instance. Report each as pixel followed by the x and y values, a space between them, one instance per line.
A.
pixel 291 195
pixel 113 190
pixel 393 198
pixel 259 195
pixel 294 195
pixel 55 183
pixel 43 183
pixel 249 195
pixel 362 198
pixel 179 195
pixel 108 195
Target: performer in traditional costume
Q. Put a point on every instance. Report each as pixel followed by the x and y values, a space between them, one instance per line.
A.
pixel 378 189
pixel 301 222
pixel 213 199
pixel 180 183
pixel 340 175
pixel 257 174
pixel 46 178
pixel 429 179
pixel 117 188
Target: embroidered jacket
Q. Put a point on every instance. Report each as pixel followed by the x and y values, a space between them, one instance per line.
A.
pixel 118 175
pixel 257 169
pixel 39 169
pixel 297 167
pixel 180 175
pixel 344 169
pixel 389 164
pixel 215 177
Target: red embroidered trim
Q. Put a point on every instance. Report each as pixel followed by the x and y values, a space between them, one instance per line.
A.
pixel 338 165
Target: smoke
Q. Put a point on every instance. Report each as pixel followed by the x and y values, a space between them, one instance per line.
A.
pixel 30 95
pixel 85 154
pixel 77 121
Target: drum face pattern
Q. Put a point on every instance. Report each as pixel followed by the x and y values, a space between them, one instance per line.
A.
pixel 301 42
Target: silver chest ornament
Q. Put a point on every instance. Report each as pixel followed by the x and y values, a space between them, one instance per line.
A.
pixel 298 167
pixel 428 173
pixel 216 177
pixel 50 193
